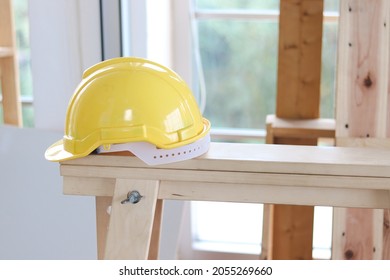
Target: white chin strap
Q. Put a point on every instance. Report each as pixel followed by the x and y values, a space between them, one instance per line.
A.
pixel 152 155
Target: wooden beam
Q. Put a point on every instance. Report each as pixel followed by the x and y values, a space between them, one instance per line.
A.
pixel 131 225
pixel 296 128
pixel 363 69
pixel 9 73
pixel 102 221
pixel 363 115
pixel 299 59
pixel 304 174
pixel 9 82
pixel 298 97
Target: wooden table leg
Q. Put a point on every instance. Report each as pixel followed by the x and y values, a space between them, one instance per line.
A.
pixel 102 222
pixel 155 241
pixel 130 228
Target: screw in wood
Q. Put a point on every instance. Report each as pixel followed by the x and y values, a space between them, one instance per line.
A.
pixel 133 197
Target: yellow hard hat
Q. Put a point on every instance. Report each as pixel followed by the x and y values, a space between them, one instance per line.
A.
pixel 134 101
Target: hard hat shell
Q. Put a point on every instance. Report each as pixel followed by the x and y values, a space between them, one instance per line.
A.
pixel 129 100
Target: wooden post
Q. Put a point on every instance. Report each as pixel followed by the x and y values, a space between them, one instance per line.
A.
pixel 299 62
pixel 9 74
pixel 132 223
pixel 363 116
pixel 102 221
pixel 298 95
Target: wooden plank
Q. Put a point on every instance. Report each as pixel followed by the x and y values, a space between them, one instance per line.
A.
pixel 292 232
pixel 289 159
pixel 191 184
pixel 363 69
pixel 382 143
pixel 301 128
pixel 298 97
pixel 362 111
pixel 102 221
pixel 10 91
pixel 273 194
pixel 208 185
pixel 250 193
pixel 351 222
pixel 86 186
pixel 156 231
pixel 387 23
pixel 251 178
pixel 9 72
pixel 386 235
pixel 6 24
pixel 299 59
pixel 6 52
pixel 130 227
pixel 358 223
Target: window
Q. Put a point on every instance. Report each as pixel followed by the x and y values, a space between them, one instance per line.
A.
pixel 23 45
pixel 239 90
pixel 248 91
pixel 21 26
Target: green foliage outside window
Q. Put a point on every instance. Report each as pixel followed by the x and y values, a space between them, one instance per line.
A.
pixel 239 59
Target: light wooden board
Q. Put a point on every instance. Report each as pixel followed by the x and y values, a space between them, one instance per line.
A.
pixel 289 159
pixel 363 69
pixel 363 172
pixel 353 177
pixel 103 204
pixel 130 228
pixel 9 73
pixel 298 128
pixel 362 114
pixel 246 193
pixel 229 177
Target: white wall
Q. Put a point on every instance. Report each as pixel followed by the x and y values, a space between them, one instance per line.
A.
pixel 37 221
pixel 65 40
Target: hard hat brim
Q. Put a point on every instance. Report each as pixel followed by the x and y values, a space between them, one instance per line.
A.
pixel 56 152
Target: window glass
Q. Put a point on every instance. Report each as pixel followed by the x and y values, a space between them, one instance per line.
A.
pixel 328 70
pixel 331 5
pixel 240 80
pixel 23 45
pixel 237 227
pixel 239 61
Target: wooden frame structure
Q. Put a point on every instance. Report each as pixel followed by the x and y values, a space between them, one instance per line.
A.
pixel 297 175
pixel 362 114
pixel 288 230
pixel 363 117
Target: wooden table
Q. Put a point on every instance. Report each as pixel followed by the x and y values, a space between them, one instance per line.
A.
pixel 278 174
